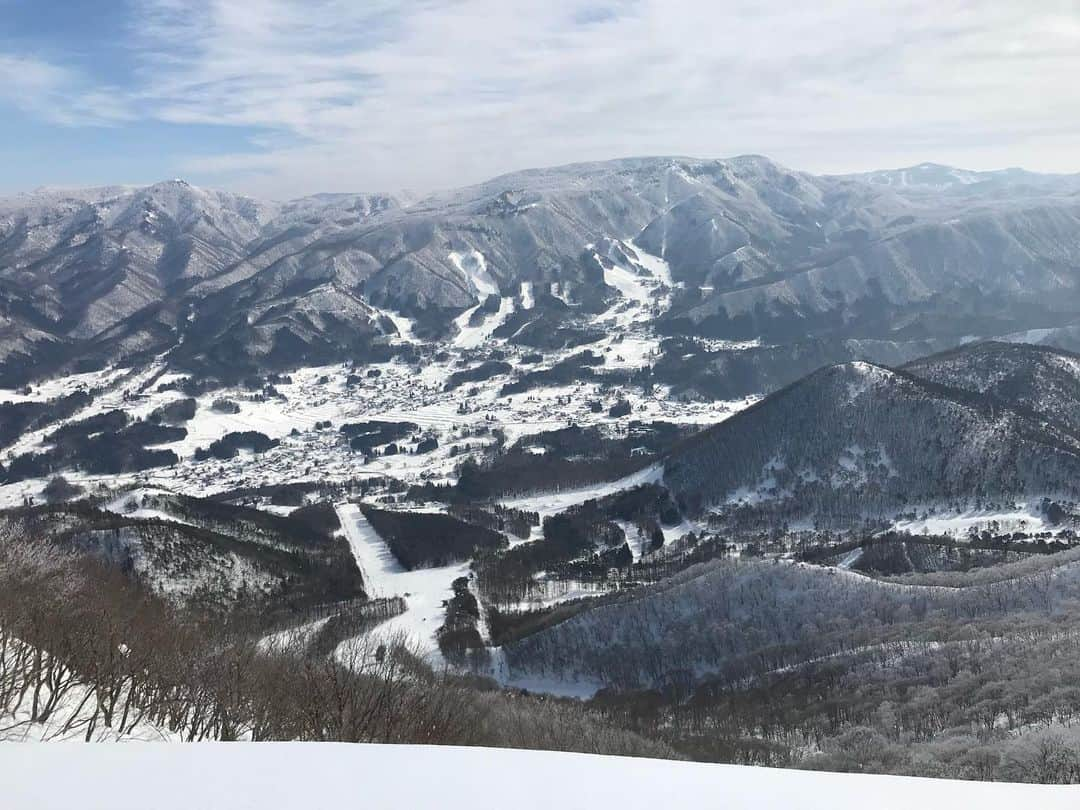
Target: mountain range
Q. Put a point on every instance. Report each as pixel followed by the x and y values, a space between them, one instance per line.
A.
pixel 883 266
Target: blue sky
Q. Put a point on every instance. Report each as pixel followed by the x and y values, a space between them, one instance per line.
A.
pixel 283 97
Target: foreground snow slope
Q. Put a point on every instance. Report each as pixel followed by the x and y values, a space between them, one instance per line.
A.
pixel 289 775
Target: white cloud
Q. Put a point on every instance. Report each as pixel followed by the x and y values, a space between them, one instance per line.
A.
pixel 57 94
pixel 426 93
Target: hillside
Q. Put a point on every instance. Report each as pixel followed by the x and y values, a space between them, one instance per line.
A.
pixel 1038 380
pixel 856 439
pixel 195 552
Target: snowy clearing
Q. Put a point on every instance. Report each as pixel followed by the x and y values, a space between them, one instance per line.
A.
pixel 640 285
pixel 473 266
pixel 552 503
pixel 424 589
pixel 1026 517
pixel 324 775
pixel 578 688
pixel 471 337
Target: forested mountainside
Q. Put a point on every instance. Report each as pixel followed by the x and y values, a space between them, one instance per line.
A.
pixel 777 663
pixel 1038 380
pixel 755 251
pixel 727 621
pixel 195 552
pixel 857 439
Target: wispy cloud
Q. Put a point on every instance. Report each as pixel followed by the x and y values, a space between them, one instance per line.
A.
pixel 424 93
pixel 59 95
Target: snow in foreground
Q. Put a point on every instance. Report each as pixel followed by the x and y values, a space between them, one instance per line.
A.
pixel 325 775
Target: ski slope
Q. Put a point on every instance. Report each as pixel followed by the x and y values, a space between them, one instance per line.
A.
pixel 424 589
pixel 551 503
pixel 267 776
pixel 471 337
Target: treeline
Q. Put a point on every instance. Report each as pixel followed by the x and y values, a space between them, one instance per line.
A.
pixel 366 436
pixel 175 412
pixel 309 527
pixel 20 418
pixel 478 373
pixel 459 635
pixel 230 445
pixel 498 518
pixel 296 493
pixel 429 540
pixel 83 651
pixel 107 443
pixel 978 549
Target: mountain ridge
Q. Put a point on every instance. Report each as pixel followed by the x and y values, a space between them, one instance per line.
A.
pixel 755 250
pixel 853 440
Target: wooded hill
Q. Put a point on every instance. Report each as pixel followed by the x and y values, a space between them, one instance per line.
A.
pixel 857 439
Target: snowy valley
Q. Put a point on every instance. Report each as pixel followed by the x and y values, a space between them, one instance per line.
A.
pixel 573 459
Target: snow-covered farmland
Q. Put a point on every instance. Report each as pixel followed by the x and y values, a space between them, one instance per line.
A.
pixel 462 416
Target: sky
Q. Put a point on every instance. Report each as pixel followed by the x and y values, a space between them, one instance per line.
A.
pixel 280 98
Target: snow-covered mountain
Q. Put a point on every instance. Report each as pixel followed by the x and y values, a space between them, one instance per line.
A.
pixel 935 177
pixel 1036 380
pixel 857 440
pixel 752 250
pixel 543 430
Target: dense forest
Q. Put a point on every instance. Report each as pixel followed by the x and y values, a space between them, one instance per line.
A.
pixel 765 662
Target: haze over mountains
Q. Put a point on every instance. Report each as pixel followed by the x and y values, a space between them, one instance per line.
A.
pixel 884 266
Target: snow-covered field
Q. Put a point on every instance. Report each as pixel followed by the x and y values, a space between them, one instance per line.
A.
pixel 1025 517
pixel 267 776
pixel 551 503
